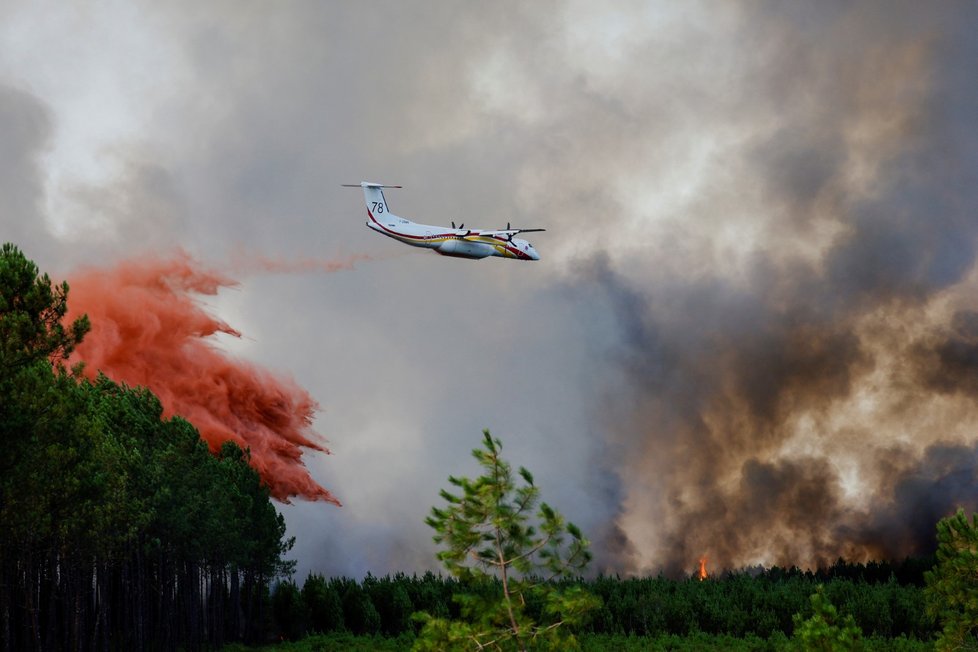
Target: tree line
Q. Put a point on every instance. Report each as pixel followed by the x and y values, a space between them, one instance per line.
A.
pixel 120 529
pixel 739 604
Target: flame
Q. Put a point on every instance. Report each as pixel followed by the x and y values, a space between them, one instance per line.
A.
pixel 702 571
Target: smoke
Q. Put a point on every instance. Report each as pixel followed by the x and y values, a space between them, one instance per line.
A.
pixel 243 262
pixel 815 395
pixel 944 478
pixel 24 129
pixel 755 306
pixel 776 434
pixel 148 330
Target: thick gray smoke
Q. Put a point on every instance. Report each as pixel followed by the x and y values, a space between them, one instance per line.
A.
pixel 24 129
pixel 752 335
pixel 816 402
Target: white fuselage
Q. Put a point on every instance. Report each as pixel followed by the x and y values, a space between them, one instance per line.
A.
pixel 461 243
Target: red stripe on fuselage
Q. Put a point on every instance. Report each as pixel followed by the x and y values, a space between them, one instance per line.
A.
pixel 506 244
pixel 398 234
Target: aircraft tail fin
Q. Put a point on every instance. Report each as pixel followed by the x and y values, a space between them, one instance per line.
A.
pixel 373 195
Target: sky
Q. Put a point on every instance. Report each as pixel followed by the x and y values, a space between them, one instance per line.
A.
pixel 753 333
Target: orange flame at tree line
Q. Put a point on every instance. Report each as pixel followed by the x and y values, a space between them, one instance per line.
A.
pixel 702 572
pixel 147 330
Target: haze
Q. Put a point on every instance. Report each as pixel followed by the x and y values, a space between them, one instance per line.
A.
pixel 753 332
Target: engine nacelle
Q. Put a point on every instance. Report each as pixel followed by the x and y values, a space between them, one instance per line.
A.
pixel 464 249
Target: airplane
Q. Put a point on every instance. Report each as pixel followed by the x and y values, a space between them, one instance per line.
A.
pixel 457 242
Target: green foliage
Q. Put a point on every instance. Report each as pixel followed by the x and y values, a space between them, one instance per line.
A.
pixel 288 609
pixel 323 605
pixel 735 611
pixel 698 642
pixel 701 642
pixel 492 530
pixel 111 513
pixel 337 642
pixel 392 602
pixel 825 630
pixel 952 586
pixel 489 524
pixel 359 612
pixel 31 315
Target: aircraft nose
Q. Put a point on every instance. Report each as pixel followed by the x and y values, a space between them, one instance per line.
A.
pixel 533 253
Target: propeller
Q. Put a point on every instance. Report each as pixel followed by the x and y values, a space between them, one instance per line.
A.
pixel 453 224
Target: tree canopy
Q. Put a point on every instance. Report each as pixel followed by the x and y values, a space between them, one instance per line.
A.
pixel 952 586
pixel 32 314
pixel 120 529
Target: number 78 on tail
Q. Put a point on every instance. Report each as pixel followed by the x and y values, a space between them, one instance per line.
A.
pixel 457 242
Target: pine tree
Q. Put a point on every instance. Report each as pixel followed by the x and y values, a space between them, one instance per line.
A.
pixel 952 586
pixel 120 529
pixel 509 554
pixel 31 315
pixel 826 631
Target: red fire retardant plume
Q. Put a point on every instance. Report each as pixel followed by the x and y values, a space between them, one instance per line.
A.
pixel 148 330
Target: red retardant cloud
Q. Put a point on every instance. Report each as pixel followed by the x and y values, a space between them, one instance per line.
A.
pixel 148 330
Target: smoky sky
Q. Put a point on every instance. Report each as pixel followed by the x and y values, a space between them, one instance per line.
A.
pixel 735 390
pixel 24 127
pixel 750 336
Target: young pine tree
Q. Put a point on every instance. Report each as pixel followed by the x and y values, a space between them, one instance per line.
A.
pixel 826 631
pixel 508 553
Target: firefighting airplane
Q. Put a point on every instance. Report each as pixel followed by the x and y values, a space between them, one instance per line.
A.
pixel 457 242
